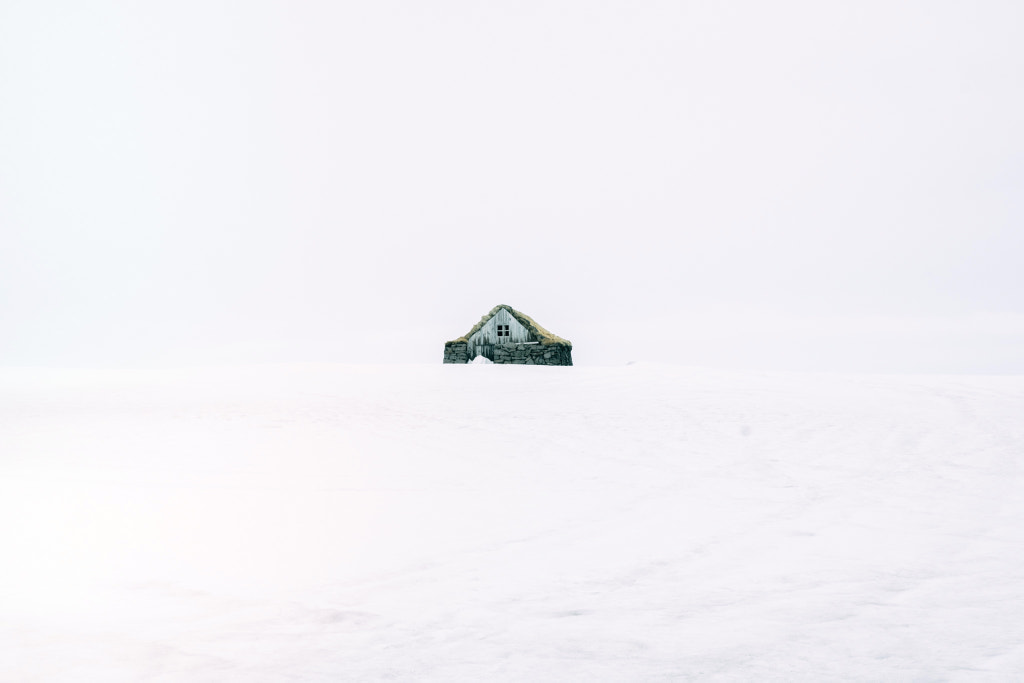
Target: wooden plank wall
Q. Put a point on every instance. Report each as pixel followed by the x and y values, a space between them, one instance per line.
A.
pixel 483 340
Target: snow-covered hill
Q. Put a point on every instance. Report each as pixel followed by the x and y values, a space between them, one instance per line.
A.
pixel 499 523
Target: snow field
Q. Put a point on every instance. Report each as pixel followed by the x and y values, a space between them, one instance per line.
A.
pixel 508 523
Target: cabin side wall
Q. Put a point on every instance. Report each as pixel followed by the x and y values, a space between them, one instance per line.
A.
pixel 456 352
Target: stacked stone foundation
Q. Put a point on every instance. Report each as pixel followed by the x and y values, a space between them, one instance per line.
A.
pixel 456 352
pixel 533 354
pixel 514 354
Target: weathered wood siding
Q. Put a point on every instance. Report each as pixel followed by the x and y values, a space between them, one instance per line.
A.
pixel 482 342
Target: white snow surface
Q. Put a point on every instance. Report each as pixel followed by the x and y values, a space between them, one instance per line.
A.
pixel 509 523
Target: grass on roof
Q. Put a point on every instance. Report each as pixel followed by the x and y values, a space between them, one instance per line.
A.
pixel 542 335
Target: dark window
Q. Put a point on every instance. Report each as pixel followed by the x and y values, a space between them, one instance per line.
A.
pixel 502 330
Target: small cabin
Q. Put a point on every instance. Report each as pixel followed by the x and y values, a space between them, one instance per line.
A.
pixel 506 336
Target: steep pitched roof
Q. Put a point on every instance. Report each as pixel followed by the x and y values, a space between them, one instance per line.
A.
pixel 543 336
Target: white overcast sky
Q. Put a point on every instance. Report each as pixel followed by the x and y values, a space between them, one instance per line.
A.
pixel 813 185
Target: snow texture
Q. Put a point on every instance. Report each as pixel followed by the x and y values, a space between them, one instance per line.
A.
pixel 439 523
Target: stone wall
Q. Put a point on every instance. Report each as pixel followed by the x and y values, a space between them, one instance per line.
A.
pixel 533 354
pixel 456 352
pixel 514 354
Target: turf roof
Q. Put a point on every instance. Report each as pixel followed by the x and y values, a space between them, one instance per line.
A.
pixel 543 336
